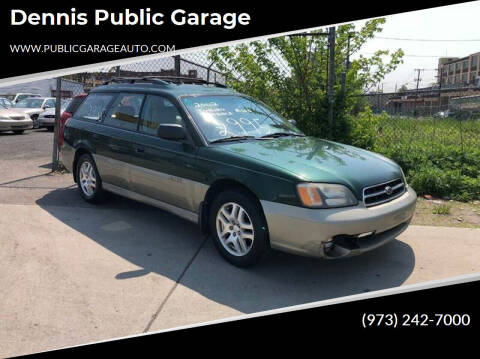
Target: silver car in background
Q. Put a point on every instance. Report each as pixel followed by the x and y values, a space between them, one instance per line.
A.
pixel 14 120
pixel 34 106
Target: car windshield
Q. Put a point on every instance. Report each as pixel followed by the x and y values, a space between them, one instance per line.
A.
pixel 29 103
pixel 222 117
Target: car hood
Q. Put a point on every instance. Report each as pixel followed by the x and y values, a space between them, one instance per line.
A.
pixel 11 112
pixel 29 110
pixel 316 160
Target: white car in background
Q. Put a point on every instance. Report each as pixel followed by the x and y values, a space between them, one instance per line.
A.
pixel 47 118
pixel 34 106
pixel 23 95
pixel 14 120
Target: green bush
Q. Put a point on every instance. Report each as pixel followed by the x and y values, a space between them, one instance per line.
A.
pixel 363 129
pixel 439 156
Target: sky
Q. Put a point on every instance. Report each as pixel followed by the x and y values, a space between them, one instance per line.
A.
pixel 455 22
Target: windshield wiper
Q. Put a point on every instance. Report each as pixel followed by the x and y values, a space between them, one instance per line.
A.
pixel 232 138
pixel 282 134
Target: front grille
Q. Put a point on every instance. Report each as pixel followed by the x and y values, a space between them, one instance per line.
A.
pixel 17 118
pixel 383 192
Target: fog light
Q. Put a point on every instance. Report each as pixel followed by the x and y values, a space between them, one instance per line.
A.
pixel 327 245
pixel 365 234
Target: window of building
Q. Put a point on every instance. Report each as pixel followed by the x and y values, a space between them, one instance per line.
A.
pixel 464 78
pixel 474 64
pixel 63 93
pixel 472 77
pixel 465 66
pixel 125 111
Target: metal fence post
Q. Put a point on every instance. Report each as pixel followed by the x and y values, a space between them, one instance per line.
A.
pixel 58 99
pixel 331 75
pixel 177 65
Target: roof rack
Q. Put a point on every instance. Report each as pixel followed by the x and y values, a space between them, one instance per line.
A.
pixel 163 80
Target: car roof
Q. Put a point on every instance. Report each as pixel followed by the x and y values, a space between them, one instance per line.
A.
pixel 176 90
pixel 39 98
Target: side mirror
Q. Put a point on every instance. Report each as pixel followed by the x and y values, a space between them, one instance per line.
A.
pixel 171 131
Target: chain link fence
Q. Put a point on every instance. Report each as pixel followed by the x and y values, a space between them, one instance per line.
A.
pixel 462 103
pixel 431 128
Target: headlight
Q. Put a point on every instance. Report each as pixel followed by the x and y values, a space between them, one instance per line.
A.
pixel 4 118
pixel 404 178
pixel 325 195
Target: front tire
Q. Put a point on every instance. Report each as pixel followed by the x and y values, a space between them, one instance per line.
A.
pixel 238 228
pixel 88 179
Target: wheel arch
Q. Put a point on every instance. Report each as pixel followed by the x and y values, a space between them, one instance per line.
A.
pixel 217 187
pixel 78 153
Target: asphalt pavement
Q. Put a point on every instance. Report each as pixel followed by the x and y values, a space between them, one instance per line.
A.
pixel 73 273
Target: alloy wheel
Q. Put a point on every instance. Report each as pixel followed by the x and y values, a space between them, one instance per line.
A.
pixel 88 180
pixel 235 229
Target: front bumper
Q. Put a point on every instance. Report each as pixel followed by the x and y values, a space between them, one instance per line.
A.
pixel 307 231
pixel 46 122
pixel 15 125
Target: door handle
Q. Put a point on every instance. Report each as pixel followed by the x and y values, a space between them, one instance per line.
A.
pixel 139 150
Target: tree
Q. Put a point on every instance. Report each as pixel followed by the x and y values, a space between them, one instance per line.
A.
pixel 290 74
pixel 402 88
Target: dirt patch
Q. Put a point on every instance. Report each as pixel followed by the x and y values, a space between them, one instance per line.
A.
pixel 440 212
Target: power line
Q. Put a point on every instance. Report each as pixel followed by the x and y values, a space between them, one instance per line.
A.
pixel 434 56
pixel 432 40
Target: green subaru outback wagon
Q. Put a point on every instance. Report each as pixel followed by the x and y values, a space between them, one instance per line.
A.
pixel 226 161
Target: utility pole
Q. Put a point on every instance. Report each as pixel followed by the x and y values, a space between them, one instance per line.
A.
pixel 440 90
pixel 418 79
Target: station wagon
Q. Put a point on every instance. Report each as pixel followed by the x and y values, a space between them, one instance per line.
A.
pixel 224 160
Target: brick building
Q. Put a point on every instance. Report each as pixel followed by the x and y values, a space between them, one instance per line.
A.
pixel 458 72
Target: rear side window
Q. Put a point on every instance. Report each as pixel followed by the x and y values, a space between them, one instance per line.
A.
pixel 93 107
pixel 74 104
pixel 125 111
pixel 158 110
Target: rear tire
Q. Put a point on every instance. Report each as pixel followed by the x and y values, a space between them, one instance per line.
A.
pixel 239 228
pixel 88 180
pixel 18 132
